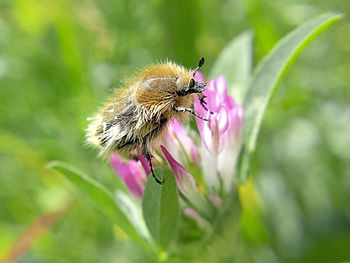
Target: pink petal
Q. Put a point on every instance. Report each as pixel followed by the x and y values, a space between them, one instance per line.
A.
pixel 213 100
pixel 135 181
pixel 214 146
pixel 211 85
pixel 205 133
pixel 203 126
pixel 183 138
pixel 238 118
pixel 221 86
pixel 172 144
pixel 198 108
pixel 229 102
pixel 223 119
pixel 144 163
pixel 198 76
pixel 129 173
pixel 221 135
pixel 184 179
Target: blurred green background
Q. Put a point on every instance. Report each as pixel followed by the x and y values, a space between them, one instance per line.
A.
pixel 60 59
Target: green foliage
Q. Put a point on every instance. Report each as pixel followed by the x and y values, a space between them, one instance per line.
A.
pixel 100 195
pixel 267 75
pixel 235 63
pixel 160 207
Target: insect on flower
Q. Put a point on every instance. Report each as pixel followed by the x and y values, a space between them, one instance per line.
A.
pixel 138 114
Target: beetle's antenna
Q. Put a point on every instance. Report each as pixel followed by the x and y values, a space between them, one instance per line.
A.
pixel 200 63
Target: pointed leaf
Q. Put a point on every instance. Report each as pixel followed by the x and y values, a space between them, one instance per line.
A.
pixel 235 63
pixel 269 72
pixel 100 195
pixel 161 207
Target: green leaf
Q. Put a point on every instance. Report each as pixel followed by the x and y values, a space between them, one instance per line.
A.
pixel 161 207
pixel 235 63
pixel 100 195
pixel 267 76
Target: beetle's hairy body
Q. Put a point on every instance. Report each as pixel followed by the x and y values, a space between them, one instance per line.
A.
pixel 139 112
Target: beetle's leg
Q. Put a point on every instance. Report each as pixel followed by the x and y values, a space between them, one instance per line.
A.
pixel 190 110
pixel 202 101
pixel 201 98
pixel 147 154
pixel 146 141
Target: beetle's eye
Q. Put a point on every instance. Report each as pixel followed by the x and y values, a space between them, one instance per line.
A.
pixel 191 85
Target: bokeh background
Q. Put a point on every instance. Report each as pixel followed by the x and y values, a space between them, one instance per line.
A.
pixel 60 59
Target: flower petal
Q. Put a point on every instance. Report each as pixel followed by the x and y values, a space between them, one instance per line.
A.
pixel 198 76
pixel 221 86
pixel 221 135
pixel 215 135
pixel 184 179
pixel 223 119
pixel 209 163
pixel 130 173
pixel 144 163
pixel 238 119
pixel 182 137
pixel 226 163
